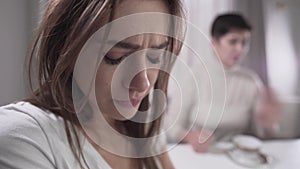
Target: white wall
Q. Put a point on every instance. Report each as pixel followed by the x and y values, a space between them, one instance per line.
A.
pixel 17 21
pixel 281 51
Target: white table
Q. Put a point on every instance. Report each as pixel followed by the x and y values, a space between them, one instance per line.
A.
pixel 285 152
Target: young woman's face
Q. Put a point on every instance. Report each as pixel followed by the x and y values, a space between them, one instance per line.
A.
pixel 232 46
pixel 127 74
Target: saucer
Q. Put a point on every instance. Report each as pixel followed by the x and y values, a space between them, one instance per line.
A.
pixel 247 151
pixel 221 147
pixel 249 159
pixel 246 142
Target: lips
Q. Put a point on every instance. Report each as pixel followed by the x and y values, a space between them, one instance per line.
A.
pixel 128 104
pixel 236 58
pixel 135 102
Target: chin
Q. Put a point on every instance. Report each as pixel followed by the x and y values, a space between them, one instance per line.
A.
pixel 122 117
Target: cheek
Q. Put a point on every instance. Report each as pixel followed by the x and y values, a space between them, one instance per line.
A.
pixel 225 47
pixel 226 52
pixel 103 80
pixel 223 52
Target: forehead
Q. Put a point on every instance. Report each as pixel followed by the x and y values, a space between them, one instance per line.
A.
pixel 238 33
pixel 132 19
pixel 147 40
pixel 127 7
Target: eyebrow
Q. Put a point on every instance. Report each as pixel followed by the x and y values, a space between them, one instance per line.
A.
pixel 132 46
pixel 125 45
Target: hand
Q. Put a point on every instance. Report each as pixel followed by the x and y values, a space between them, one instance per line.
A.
pixel 200 145
pixel 166 161
pixel 270 112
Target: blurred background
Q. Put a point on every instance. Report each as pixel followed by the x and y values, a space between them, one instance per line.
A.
pixel 274 53
pixel 18 19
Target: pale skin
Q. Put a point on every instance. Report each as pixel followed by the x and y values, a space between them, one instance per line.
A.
pixel 230 48
pixel 136 88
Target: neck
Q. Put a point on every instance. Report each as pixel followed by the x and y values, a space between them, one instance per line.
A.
pixel 114 160
pixel 104 132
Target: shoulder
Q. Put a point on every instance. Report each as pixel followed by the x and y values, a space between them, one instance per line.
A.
pixel 28 130
pixel 25 118
pixel 36 138
pixel 23 141
pixel 18 118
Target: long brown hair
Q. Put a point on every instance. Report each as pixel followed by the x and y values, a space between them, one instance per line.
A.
pixel 65 27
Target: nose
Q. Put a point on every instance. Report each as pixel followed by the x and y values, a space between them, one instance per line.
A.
pixel 140 83
pixel 240 47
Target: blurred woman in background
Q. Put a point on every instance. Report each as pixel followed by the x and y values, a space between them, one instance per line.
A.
pixel 250 108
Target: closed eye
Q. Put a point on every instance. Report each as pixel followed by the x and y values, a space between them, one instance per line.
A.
pixel 111 61
pixel 233 41
pixel 154 56
pixel 108 60
pixel 154 60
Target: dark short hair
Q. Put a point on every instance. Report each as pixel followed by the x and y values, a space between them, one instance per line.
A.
pixel 228 22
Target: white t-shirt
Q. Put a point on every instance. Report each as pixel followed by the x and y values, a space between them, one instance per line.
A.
pixel 32 138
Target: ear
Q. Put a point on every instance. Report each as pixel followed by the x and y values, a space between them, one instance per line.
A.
pixel 214 41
